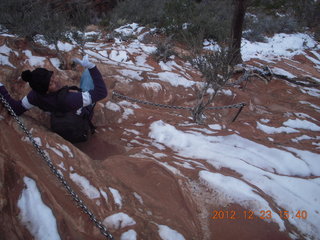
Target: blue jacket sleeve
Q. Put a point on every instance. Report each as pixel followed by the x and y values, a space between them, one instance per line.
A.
pixel 75 100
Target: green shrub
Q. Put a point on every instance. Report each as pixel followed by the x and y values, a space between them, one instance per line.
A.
pixel 139 11
pixel 210 18
pixel 164 50
pixel 183 18
pixel 304 12
pixel 257 26
pixel 22 17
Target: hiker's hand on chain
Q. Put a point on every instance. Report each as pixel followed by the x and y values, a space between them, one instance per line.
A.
pixel 84 62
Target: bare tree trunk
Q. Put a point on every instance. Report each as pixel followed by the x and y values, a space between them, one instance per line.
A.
pixel 236 30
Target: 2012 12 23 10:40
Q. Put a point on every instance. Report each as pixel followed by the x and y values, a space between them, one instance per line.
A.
pixel 263 214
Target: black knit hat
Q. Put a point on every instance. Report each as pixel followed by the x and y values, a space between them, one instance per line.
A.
pixel 38 79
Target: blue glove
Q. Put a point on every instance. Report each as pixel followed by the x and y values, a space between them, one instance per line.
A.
pixel 84 62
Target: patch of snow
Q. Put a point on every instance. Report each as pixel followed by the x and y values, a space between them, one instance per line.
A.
pixel 135 132
pixel 148 49
pixel 311 91
pixel 282 72
pixel 131 74
pixel 129 29
pixel 104 194
pixel 264 120
pixel 56 151
pixel 174 79
pixel 316 107
pixel 118 56
pixel 243 193
pixel 211 45
pixel 303 137
pixel 227 92
pixel 167 233
pixel 34 61
pixel 112 106
pixel 308 157
pixel 85 186
pixel 116 196
pixel 4 55
pixel 97 55
pixel 141 60
pixel 55 62
pixel 127 112
pixel 153 85
pixel 61 165
pixel 128 104
pixel 215 126
pixel 138 197
pixel 274 130
pixel 301 124
pixel 170 168
pixel 65 47
pixel 279 46
pixel 129 235
pixel 315 61
pixel 277 173
pixel 303 115
pixel 66 149
pixel 164 66
pixel 35 215
pixel 118 220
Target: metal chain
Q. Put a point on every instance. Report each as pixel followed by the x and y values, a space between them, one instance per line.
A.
pixel 54 170
pixel 120 96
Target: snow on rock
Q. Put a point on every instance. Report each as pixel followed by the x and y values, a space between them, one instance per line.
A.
pixel 211 45
pixel 280 45
pixel 35 215
pixel 63 46
pixel 34 61
pixel 118 56
pixel 85 186
pixel 131 74
pixel 55 62
pixel 112 106
pixel 129 235
pixel 152 85
pixel 166 233
pixel 129 29
pixel 302 124
pixel 118 220
pixel 4 56
pixel 281 72
pixel 138 197
pixel 215 126
pixel 174 79
pixel 104 194
pixel 56 151
pixel 274 130
pixel 116 196
pixel 66 149
pixel 270 170
pixel 243 194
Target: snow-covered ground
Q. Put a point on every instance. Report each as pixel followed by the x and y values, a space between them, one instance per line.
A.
pixel 263 170
pixel 290 177
pixel 35 215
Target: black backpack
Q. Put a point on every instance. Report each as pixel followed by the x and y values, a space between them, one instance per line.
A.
pixel 72 127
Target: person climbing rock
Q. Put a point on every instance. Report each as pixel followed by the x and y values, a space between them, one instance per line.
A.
pixel 71 111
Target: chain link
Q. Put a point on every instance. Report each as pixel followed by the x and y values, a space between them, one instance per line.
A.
pixel 120 96
pixel 55 172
